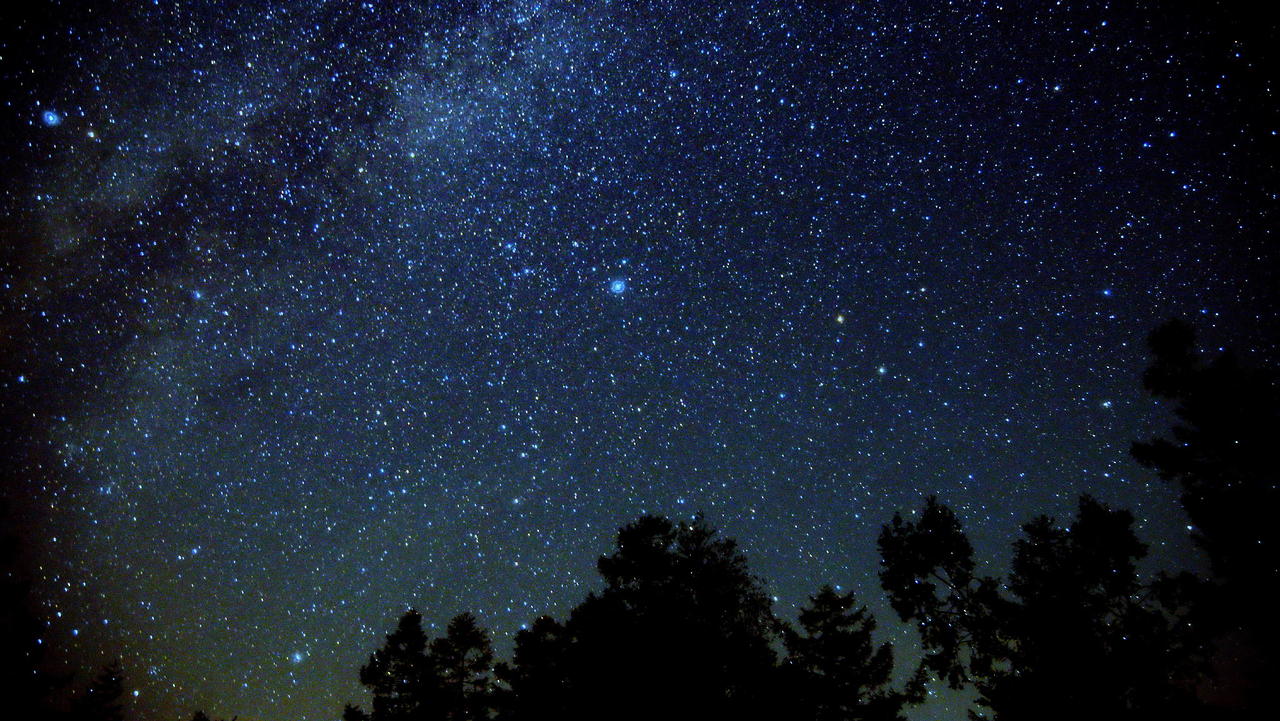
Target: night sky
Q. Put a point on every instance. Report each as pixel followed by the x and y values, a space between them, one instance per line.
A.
pixel 314 311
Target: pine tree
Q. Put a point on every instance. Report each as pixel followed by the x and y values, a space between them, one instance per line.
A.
pixel 413 678
pixel 536 679
pixel 24 684
pixel 397 675
pixel 836 671
pixel 461 663
pixel 1087 629
pixel 681 630
pixel 928 571
pixel 103 700
pixel 1219 452
pixel 1076 636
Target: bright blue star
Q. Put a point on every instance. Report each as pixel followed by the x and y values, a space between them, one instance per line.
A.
pixel 297 656
pixel 618 286
pixel 51 118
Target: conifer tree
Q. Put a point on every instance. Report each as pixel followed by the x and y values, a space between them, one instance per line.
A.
pixel 1219 453
pixel 103 700
pixel 1077 635
pixel 536 682
pixel 397 675
pixel 681 630
pixel 461 663
pixel 836 671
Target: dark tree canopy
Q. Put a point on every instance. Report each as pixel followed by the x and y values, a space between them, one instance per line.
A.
pixel 1073 624
pixel 396 674
pixel 929 574
pixel 24 684
pixel 537 684
pixel 1221 453
pixel 103 700
pixel 413 679
pixel 1086 630
pixel 460 686
pixel 681 630
pixel 834 670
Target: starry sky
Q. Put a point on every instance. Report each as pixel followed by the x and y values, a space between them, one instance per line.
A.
pixel 313 311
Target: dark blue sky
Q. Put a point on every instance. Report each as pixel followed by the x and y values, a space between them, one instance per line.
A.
pixel 315 311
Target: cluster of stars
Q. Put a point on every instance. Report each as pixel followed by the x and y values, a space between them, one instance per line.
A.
pixel 356 306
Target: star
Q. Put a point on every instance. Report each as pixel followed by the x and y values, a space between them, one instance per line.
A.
pixel 293 270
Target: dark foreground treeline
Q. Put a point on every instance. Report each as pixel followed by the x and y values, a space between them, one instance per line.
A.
pixel 683 630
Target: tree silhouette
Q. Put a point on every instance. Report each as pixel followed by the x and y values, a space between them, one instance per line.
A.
pixel 1220 454
pixel 928 571
pixel 681 629
pixel 1077 635
pixel 446 679
pixel 1087 632
pixel 24 685
pixel 536 682
pixel 396 675
pixel 835 671
pixel 103 700
pixel 460 686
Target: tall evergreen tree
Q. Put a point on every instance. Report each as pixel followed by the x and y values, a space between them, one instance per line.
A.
pixel 397 675
pixel 1219 452
pixel 24 684
pixel 1088 633
pixel 103 700
pixel 836 671
pixel 681 630
pixel 536 681
pixel 1077 635
pixel 412 678
pixel 927 569
pixel 461 661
